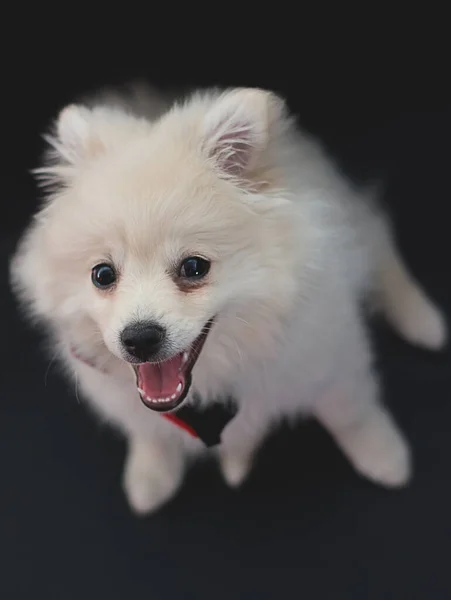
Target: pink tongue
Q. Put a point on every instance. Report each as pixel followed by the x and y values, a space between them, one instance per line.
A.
pixel 161 380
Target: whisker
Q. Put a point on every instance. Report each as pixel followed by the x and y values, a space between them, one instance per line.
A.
pixel 76 389
pixel 49 366
pixel 241 320
pixel 237 349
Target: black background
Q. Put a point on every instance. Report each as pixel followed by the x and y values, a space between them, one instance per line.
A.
pixel 304 526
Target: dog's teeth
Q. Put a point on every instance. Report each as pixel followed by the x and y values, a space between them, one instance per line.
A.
pixel 185 357
pixel 179 387
pixel 141 392
pixel 160 400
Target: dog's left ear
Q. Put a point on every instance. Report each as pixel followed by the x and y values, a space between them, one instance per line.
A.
pixel 76 139
pixel 236 129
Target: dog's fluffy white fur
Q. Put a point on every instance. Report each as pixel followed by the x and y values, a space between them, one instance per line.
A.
pixel 297 253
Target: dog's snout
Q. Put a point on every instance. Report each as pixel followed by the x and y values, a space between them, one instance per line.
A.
pixel 143 339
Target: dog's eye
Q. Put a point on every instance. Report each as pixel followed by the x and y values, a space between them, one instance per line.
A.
pixel 103 276
pixel 194 267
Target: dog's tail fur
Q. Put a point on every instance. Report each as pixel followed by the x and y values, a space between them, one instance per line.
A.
pixel 406 305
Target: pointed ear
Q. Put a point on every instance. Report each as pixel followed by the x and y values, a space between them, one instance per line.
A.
pixel 76 139
pixel 236 129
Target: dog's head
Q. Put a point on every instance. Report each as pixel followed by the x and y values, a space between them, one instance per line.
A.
pixel 157 230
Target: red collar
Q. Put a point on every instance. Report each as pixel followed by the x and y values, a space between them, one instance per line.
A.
pixel 180 423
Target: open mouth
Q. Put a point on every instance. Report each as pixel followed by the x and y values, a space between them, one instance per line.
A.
pixel 163 386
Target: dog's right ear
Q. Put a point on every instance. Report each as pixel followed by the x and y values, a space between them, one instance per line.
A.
pixel 236 129
pixel 75 138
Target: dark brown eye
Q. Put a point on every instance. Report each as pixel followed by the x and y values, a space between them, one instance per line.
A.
pixel 194 268
pixel 103 276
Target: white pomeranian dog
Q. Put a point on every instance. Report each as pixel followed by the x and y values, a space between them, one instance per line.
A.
pixel 208 249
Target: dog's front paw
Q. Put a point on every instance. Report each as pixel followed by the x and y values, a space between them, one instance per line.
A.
pixel 150 477
pixel 235 467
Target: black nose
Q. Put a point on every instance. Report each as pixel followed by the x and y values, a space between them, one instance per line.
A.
pixel 143 339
